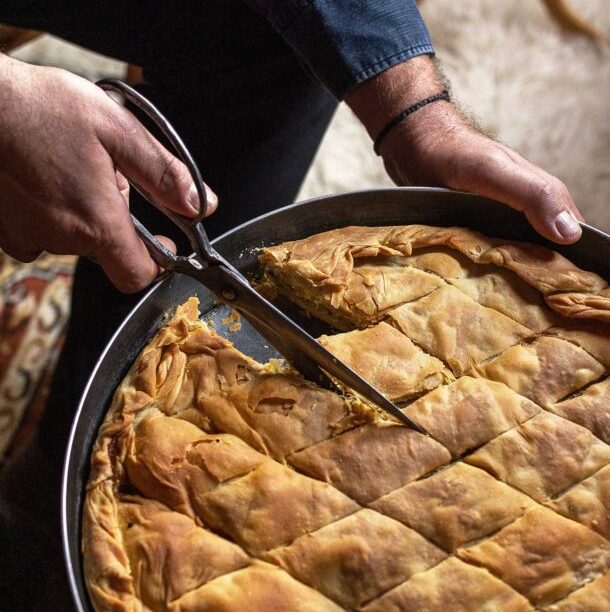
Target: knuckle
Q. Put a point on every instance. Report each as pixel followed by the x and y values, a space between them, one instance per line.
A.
pixel 546 191
pixel 174 175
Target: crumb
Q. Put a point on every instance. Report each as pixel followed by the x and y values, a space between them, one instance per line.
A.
pixel 233 321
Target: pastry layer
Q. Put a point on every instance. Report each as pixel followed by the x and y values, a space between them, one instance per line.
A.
pixel 588 502
pixel 591 409
pixel 454 328
pixel 490 408
pixel 542 555
pixel 388 360
pixel 545 370
pixel 358 557
pixel 543 457
pixel 370 461
pixel 455 506
pixel 451 585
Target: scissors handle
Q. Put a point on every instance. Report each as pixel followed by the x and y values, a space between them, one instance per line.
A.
pixel 192 227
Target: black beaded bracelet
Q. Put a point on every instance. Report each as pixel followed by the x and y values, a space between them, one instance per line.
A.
pixel 443 95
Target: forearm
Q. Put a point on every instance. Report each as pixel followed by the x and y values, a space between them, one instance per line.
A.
pixel 376 101
pixel 436 145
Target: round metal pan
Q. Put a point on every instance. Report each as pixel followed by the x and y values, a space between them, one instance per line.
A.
pixel 396 206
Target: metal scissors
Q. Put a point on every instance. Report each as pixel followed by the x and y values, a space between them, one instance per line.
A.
pixel 209 268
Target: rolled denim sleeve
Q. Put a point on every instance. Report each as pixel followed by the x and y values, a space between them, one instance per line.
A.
pixel 344 42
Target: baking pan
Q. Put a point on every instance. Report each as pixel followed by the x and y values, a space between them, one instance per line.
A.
pixel 397 206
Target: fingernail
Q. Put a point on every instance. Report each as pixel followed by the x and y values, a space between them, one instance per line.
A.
pixel 566 224
pixel 193 199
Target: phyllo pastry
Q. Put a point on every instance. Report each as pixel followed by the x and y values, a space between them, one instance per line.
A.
pixel 221 484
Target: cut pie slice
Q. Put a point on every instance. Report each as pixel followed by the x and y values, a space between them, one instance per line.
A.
pixel 173 461
pixel 358 557
pixel 260 586
pixel 455 506
pixel 347 277
pixel 488 285
pixel 454 328
pixel 169 554
pixel 370 461
pixel 543 457
pixel 542 555
pixel 588 502
pixel 271 506
pixel 389 361
pixel 593 597
pixel 591 409
pixel 545 370
pixel 489 408
pixel 284 411
pixel 451 585
pixel 589 335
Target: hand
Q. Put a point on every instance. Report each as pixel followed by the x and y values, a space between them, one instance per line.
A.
pixel 66 149
pixel 437 146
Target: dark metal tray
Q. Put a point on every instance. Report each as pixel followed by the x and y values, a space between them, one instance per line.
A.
pixel 396 206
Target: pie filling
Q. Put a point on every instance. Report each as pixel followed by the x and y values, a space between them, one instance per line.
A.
pixel 221 484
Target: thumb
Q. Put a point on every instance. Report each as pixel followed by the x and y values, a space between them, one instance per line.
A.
pixel 149 165
pixel 503 175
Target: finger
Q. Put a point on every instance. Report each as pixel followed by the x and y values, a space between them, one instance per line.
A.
pixel 545 176
pixel 120 251
pixel 543 198
pixel 150 166
pixel 170 244
pixel 123 186
pixel 21 255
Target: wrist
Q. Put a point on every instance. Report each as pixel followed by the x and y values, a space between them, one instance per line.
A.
pixel 379 99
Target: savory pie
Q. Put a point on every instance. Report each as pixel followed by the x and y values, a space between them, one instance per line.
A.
pixel 221 484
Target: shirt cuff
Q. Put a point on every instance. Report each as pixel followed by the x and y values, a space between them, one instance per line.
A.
pixel 345 42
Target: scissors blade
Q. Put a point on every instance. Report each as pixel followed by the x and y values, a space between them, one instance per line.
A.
pixel 289 338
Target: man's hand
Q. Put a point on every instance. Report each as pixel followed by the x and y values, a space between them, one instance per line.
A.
pixel 65 150
pixel 437 146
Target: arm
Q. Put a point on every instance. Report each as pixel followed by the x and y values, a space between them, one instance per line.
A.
pixel 375 55
pixel 437 146
pixel 65 150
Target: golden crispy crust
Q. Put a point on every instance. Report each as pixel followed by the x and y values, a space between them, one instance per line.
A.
pixel 389 361
pixel 258 587
pixel 169 553
pixel 252 509
pixel 591 409
pixel 358 557
pixel 588 502
pixel 543 456
pixel 542 555
pixel 173 461
pixel 323 264
pixel 455 506
pixel 209 463
pixel 545 370
pixel 451 585
pixel 588 334
pixel 456 329
pixel 487 284
pixel 492 406
pixel 399 453
pixel 593 597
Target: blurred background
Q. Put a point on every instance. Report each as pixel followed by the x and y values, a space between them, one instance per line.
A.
pixel 534 85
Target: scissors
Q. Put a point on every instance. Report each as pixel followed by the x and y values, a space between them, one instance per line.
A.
pixel 207 266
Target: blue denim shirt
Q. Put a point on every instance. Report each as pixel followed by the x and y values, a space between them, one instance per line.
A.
pixel 341 42
pixel 344 42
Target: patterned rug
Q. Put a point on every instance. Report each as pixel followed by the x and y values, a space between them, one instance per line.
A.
pixel 34 308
